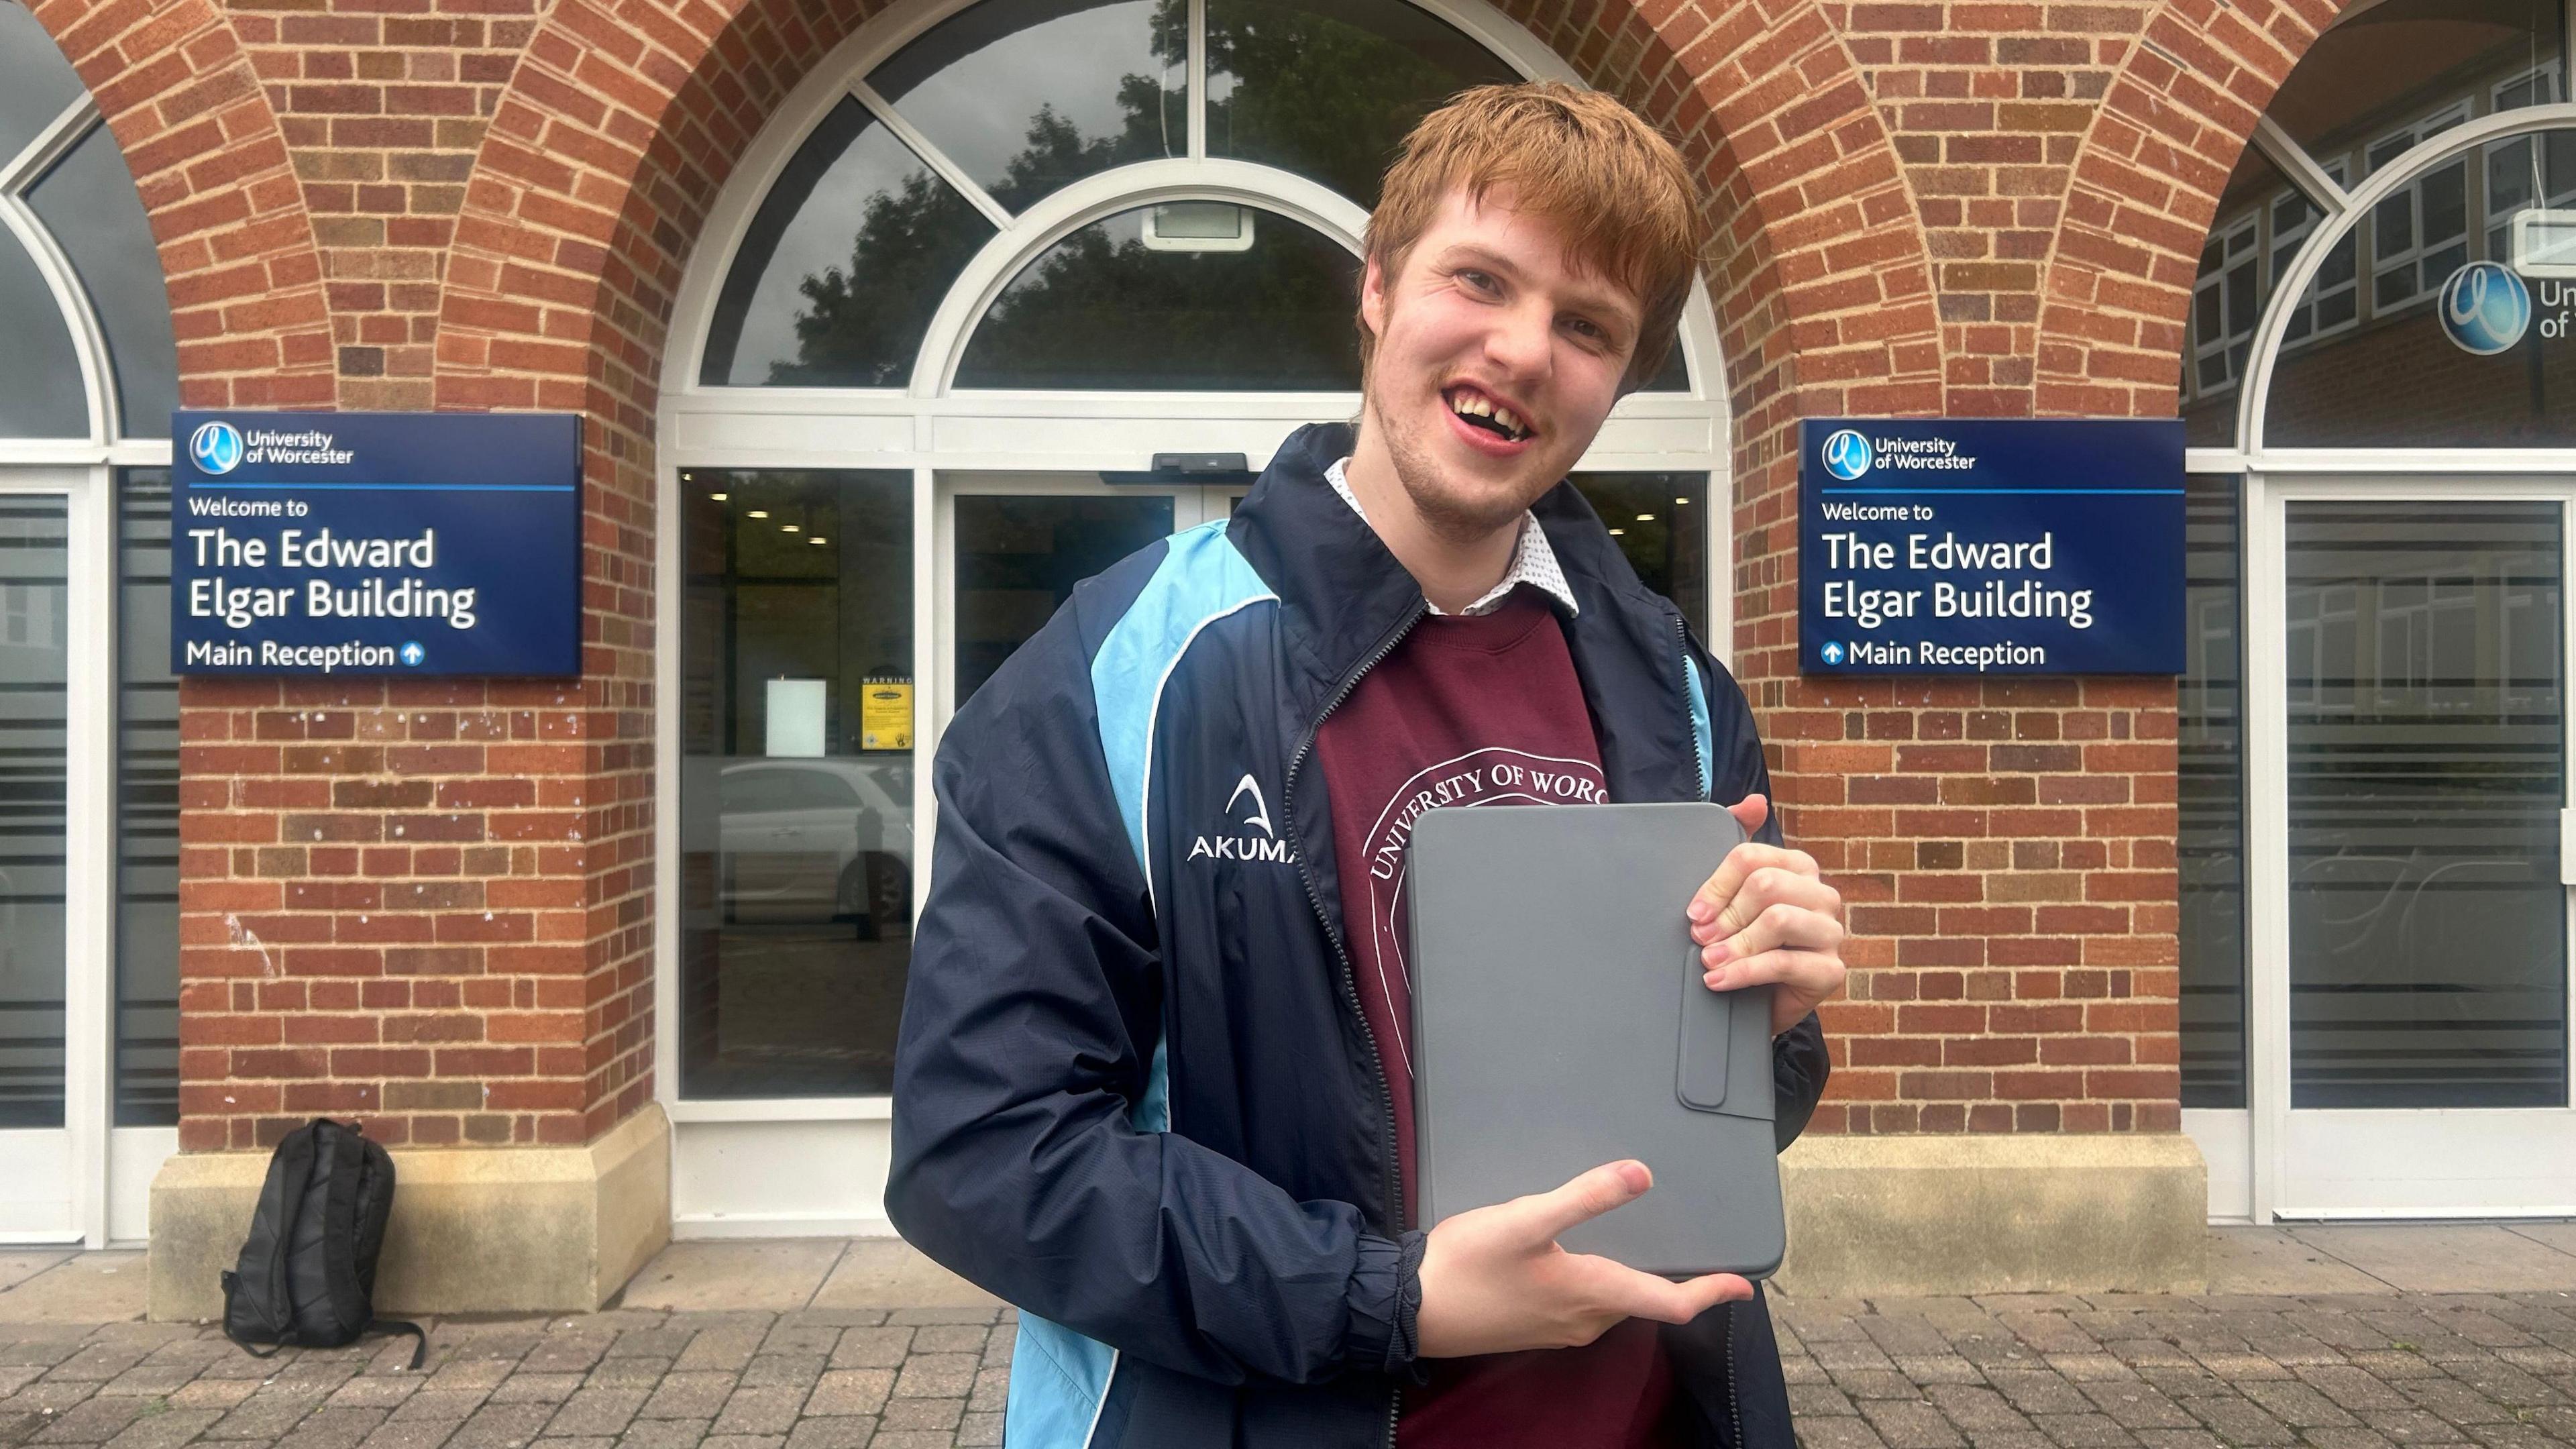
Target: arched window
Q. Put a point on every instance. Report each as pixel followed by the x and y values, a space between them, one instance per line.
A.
pixel 918 167
pixel 985 269
pixel 88 708
pixel 2380 385
pixel 90 354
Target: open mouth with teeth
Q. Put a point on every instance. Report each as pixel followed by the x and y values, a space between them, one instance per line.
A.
pixel 1486 415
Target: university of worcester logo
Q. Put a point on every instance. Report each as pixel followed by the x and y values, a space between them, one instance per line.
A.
pixel 2485 308
pixel 1846 454
pixel 215 447
pixel 1245 844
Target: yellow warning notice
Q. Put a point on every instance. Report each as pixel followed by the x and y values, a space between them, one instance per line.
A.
pixel 885 714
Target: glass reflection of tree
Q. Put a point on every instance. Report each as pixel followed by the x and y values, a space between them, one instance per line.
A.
pixel 861 327
pixel 1101 310
pixel 1319 96
pixel 1310 93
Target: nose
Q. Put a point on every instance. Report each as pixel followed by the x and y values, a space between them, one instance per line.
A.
pixel 1521 339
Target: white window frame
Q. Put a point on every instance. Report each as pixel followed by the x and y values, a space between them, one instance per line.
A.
pixel 106 1170
pixel 2493 220
pixel 2243 238
pixel 2547 70
pixel 2280 246
pixel 2258 1153
pixel 2439 122
pixel 2333 1164
pixel 937 432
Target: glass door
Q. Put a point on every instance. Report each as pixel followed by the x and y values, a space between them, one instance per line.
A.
pixel 1012 546
pixel 54 1031
pixel 2421 1044
pixel 795 780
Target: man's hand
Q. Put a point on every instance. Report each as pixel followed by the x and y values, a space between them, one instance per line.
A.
pixel 1494 1280
pixel 1766 916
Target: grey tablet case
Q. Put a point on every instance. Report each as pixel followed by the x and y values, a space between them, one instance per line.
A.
pixel 1560 1022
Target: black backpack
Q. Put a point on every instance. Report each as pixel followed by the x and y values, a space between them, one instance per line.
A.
pixel 307 1274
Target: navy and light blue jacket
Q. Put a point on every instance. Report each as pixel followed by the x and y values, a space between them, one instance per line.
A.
pixel 1134 1093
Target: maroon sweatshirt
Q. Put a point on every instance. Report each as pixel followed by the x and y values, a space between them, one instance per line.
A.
pixel 1482 710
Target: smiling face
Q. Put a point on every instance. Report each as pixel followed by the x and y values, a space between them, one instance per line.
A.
pixel 1495 361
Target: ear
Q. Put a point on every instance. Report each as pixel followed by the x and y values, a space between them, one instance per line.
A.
pixel 1373 298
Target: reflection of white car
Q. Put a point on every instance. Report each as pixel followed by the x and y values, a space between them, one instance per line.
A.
pixel 827 838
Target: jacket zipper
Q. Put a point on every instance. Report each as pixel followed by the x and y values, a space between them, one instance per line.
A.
pixel 1734 1401
pixel 1394 1203
pixel 1705 764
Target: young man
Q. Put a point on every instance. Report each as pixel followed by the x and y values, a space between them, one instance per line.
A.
pixel 1154 1083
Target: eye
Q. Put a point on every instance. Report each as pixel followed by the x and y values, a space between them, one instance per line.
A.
pixel 1476 281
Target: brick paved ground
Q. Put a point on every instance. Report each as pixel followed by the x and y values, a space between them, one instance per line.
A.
pixel 2042 1372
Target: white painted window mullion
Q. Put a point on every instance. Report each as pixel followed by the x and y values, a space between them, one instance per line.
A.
pixel 47 146
pixel 1197 71
pixel 938 160
pixel 2567 763
pixel 71 303
pixel 89 848
pixel 2265 695
pixel 2303 169
pixel 932 623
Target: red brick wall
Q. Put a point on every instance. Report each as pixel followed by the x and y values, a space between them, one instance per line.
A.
pixel 2145 188
pixel 383 107
pixel 1989 101
pixel 2007 848
pixel 1971 206
pixel 388 914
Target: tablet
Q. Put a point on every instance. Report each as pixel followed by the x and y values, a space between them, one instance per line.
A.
pixel 1560 1022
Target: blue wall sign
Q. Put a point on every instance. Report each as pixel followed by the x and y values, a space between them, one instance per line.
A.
pixel 375 543
pixel 1990 546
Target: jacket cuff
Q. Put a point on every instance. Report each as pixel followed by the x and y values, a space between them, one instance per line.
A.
pixel 1385 1297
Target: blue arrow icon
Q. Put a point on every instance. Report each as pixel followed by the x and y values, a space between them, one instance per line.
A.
pixel 412 653
pixel 1833 652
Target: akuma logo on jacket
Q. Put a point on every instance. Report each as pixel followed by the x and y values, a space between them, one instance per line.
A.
pixel 1267 846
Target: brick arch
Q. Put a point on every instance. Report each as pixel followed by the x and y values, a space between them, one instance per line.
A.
pixel 2118 286
pixel 613 139
pixel 623 121
pixel 622 124
pixel 604 152
pixel 237 248
pixel 1821 273
pixel 618 131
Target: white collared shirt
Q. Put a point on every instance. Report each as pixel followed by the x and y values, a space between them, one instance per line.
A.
pixel 1533 561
